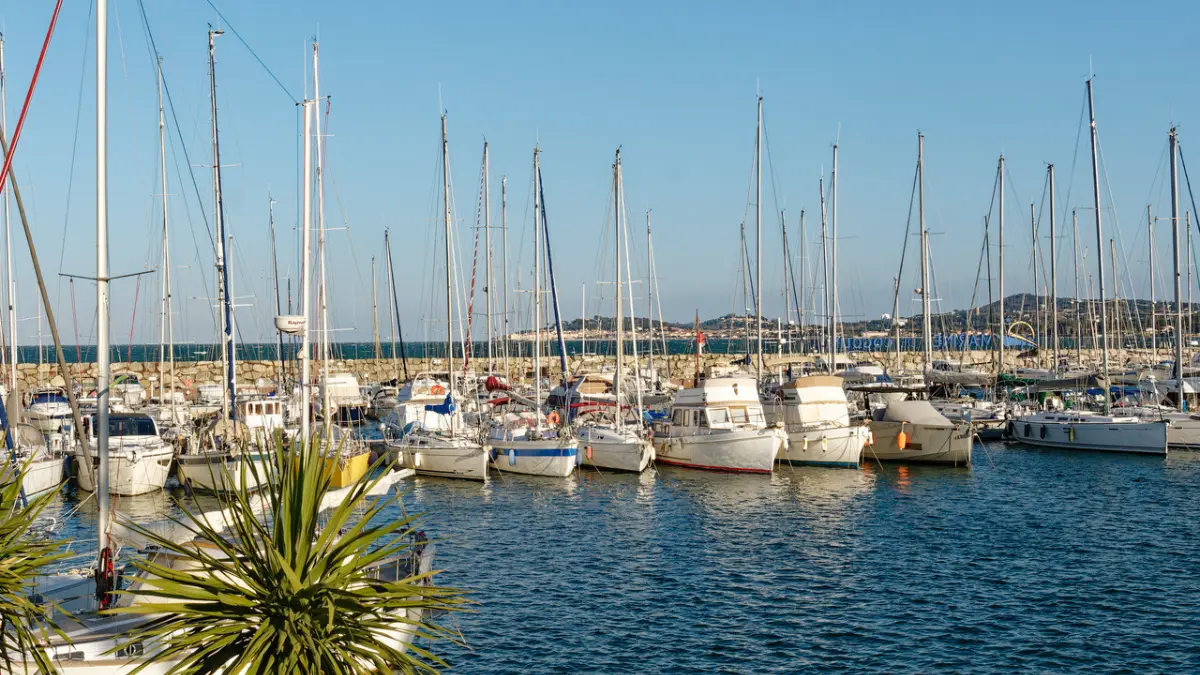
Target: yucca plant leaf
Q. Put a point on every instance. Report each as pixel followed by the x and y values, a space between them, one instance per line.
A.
pixel 291 590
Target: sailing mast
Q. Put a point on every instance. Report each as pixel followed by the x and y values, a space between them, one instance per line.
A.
pixel 1153 309
pixel 306 393
pixel 167 327
pixel 449 269
pixel 323 288
pixel 833 298
pixel 650 297
pixel 226 312
pixel 758 241
pixel 374 309
pixel 489 281
pixel 800 292
pixel 1003 328
pixel 825 269
pixel 394 310
pixel 1078 295
pixel 1174 142
pixel 102 281
pixel 9 283
pixel 1053 278
pixel 504 263
pixel 787 305
pixel 275 284
pixel 1099 245
pixel 926 329
pixel 537 287
pixel 620 347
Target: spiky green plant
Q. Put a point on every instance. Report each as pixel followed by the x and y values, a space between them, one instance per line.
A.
pixel 25 623
pixel 291 592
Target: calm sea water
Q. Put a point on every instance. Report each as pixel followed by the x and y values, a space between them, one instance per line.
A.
pixel 1032 561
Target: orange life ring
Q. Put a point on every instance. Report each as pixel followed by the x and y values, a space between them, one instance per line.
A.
pixel 437 390
pixel 553 417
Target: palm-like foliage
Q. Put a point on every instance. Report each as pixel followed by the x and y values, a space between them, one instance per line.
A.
pixel 24 623
pixel 288 591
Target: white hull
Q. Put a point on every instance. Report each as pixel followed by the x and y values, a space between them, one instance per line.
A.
pixel 130 471
pixel 430 455
pixel 217 472
pixel 751 451
pixel 554 457
pixel 41 475
pixel 1146 438
pixel 1184 434
pixel 604 447
pixel 925 443
pixel 838 446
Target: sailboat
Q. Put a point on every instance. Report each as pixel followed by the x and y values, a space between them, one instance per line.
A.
pixel 612 443
pixel 426 431
pixel 1085 430
pixel 224 450
pixel 529 442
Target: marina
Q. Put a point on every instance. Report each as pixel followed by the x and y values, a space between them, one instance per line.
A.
pixel 553 429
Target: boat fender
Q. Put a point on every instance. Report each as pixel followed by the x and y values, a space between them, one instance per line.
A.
pixel 1042 432
pixel 870 437
pixel 587 452
pixel 1012 429
pixel 902 440
pixel 806 444
pixel 1071 434
pixel 1028 430
pixel 824 444
pixel 512 457
pixel 133 457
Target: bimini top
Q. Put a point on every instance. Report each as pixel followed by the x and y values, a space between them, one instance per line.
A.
pixel 915 412
pixel 720 390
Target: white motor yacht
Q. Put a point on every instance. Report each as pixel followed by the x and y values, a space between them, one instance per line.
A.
pixel 138 458
pixel 816 415
pixel 719 425
pixel 48 409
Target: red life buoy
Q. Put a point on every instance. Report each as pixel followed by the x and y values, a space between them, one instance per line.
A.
pixel 553 417
pixel 437 390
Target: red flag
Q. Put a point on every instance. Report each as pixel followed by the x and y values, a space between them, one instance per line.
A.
pixel 701 339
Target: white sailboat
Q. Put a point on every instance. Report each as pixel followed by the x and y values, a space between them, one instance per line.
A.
pixel 532 443
pixel 1081 430
pixel 611 443
pixel 426 432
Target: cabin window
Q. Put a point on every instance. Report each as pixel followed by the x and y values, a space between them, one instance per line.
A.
pixel 679 418
pixel 718 416
pixel 739 415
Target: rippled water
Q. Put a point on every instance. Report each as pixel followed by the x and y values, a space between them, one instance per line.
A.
pixel 1032 561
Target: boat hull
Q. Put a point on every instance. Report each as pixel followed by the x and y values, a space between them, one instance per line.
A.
pixel 345 471
pixel 554 457
pixel 750 451
pixel 219 472
pixel 608 448
pixel 838 446
pixel 41 475
pixel 130 472
pixel 925 443
pixel 442 457
pixel 1142 438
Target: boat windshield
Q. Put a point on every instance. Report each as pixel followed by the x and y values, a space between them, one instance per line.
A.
pixel 48 398
pixel 128 425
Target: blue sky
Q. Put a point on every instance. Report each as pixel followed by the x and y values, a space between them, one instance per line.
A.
pixel 673 84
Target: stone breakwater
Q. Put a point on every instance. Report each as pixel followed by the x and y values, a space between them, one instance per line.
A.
pixel 679 366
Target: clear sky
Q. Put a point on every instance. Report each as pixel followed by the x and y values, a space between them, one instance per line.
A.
pixel 673 84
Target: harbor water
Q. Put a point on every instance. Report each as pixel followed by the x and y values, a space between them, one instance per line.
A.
pixel 1031 561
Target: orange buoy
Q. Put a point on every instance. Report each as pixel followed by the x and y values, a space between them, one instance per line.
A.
pixel 901 440
pixel 553 417
pixel 587 452
pixel 437 390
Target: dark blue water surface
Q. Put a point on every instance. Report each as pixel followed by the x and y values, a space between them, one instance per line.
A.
pixel 1032 561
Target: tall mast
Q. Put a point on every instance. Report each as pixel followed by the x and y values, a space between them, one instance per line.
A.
pixel 800 291
pixel 323 288
pixel 1187 226
pixel 226 302
pixel 374 309
pixel 1079 299
pixel 306 393
pixel 633 336
pixel 620 347
pixel 926 330
pixel 1153 312
pixel 487 239
pixel 504 263
pixel 833 283
pixel 650 297
pixel 1034 263
pixel 583 320
pixel 9 283
pixel 394 309
pixel 1099 245
pixel 275 285
pixel 758 241
pixel 787 305
pixel 1053 278
pixel 662 326
pixel 1003 327
pixel 102 309
pixel 449 271
pixel 537 284
pixel 166 328
pixel 825 269
pixel 1174 141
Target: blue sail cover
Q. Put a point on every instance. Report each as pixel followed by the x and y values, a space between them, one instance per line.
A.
pixel 446 407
